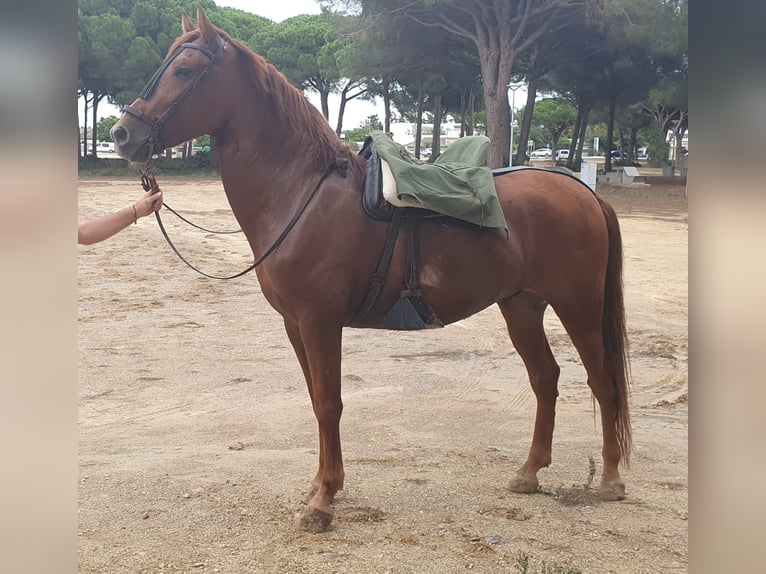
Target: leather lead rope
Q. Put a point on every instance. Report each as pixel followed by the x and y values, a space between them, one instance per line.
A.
pixel 149 183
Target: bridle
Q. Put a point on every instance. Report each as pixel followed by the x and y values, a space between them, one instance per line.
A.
pixel 154 141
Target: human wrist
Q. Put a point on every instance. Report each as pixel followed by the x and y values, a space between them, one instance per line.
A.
pixel 135 214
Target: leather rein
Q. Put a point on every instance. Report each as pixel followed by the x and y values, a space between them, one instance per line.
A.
pixel 149 183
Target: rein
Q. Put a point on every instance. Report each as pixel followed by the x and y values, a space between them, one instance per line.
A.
pixel 149 183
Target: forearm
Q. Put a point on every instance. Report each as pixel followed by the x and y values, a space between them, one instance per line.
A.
pixel 104 227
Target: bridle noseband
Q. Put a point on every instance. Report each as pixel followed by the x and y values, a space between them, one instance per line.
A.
pixel 154 140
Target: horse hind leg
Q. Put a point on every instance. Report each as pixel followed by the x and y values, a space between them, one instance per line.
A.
pixel 523 315
pixel 583 323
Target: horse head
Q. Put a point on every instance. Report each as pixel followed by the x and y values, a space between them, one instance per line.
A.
pixel 176 104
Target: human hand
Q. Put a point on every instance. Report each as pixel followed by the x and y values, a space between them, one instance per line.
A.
pixel 149 203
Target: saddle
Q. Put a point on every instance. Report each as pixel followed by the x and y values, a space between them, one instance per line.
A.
pixel 457 185
pixel 411 311
pixel 374 203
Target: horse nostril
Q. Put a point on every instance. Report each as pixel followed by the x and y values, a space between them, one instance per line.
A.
pixel 119 134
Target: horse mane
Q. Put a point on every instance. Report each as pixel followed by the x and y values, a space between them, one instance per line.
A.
pixel 306 128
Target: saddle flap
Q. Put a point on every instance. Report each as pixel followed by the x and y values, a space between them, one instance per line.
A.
pixel 372 195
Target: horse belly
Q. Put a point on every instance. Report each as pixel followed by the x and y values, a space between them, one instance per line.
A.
pixel 464 271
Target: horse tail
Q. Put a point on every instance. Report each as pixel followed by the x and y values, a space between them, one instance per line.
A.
pixel 616 359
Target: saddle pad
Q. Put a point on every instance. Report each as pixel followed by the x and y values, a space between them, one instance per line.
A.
pixel 458 183
pixel 389 189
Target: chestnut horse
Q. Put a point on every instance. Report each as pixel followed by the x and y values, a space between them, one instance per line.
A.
pixel 279 160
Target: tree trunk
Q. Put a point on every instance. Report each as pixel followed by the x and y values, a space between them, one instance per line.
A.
pixel 621 133
pixel 498 126
pixel 324 97
pixel 581 136
pixel 95 123
pixel 555 145
pixel 679 129
pixel 575 134
pixel 85 126
pixel 633 143
pixel 386 106
pixel 526 122
pixel 341 110
pixel 436 137
pixel 610 129
pixel 496 66
pixel 419 120
pixel 471 126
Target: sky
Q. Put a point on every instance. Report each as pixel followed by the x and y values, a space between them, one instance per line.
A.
pixel 278 10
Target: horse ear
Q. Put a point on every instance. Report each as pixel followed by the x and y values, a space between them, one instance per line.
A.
pixel 186 24
pixel 209 35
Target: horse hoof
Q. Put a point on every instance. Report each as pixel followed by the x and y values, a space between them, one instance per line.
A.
pixel 314 520
pixel 524 485
pixel 611 491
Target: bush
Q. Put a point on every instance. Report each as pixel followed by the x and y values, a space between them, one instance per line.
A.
pixel 201 164
pixel 657 148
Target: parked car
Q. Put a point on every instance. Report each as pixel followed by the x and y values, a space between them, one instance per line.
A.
pixel 562 154
pixel 616 154
pixel 105 147
pixel 541 152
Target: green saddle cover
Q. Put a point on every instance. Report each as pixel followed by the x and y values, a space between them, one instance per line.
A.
pixel 458 183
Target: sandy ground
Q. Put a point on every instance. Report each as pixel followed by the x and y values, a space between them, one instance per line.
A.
pixel 197 439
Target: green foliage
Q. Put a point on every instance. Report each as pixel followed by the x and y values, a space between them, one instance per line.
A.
pixel 104 125
pixel 368 126
pixel 555 116
pixel 657 147
pixel 301 47
pixel 248 28
pixel 203 141
pixel 626 48
pixel 197 165
pixel 103 42
pixel 122 42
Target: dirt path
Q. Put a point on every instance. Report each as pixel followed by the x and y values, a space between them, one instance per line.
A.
pixel 197 438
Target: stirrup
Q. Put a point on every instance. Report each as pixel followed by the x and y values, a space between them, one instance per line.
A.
pixel 411 312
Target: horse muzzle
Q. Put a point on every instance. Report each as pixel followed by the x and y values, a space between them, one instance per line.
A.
pixel 132 143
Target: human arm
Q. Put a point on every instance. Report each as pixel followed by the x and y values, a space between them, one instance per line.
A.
pixel 104 227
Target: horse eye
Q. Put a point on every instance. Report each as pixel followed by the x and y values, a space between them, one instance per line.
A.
pixel 182 73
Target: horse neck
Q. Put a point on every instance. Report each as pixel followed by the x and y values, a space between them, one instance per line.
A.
pixel 268 168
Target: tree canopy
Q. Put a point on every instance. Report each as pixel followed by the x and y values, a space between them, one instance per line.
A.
pixel 620 62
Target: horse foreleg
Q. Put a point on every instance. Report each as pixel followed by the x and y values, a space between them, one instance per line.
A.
pixel 524 317
pixel 322 346
pixel 293 333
